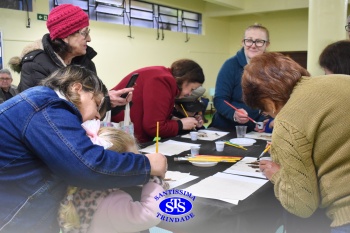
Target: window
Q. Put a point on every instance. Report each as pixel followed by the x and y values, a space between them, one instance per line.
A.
pixel 139 13
pixel 23 5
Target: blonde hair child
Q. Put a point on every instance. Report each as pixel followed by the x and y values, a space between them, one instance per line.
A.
pixel 86 210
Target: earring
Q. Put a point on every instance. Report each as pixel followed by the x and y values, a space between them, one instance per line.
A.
pixel 273 111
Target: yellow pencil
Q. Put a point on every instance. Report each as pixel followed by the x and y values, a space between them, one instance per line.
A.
pixel 157 136
pixel 186 114
pixel 262 154
pixel 237 146
pixel 195 159
pixel 184 110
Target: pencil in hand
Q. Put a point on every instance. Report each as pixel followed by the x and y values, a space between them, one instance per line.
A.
pixel 157 138
pixel 183 109
pixel 239 111
pixel 264 152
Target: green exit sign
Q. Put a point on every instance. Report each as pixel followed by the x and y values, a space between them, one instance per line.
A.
pixel 42 17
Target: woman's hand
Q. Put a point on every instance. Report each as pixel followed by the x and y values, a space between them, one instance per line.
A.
pixel 241 116
pixel 158 163
pixel 263 129
pixel 116 100
pixel 174 118
pixel 189 123
pixel 199 120
pixel 268 168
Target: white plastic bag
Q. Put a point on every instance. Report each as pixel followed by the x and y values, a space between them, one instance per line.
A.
pixel 125 125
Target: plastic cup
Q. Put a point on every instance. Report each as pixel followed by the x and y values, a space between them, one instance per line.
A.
pixel 241 130
pixel 195 150
pixel 194 135
pixel 220 145
pixel 260 125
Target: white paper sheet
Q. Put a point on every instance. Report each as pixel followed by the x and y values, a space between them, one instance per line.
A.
pixel 261 136
pixel 178 178
pixel 226 187
pixel 169 148
pixel 208 135
pixel 242 168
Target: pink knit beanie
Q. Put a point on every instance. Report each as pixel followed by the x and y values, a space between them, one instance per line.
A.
pixel 65 20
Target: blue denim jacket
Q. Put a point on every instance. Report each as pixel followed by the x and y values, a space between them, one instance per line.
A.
pixel 44 149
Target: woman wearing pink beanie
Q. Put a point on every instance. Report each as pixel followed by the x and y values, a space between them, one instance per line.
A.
pixel 65 44
pixel 66 41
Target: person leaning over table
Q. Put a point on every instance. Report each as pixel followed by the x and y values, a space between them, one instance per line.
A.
pixel 311 138
pixel 190 106
pixel 335 58
pixel 65 44
pixel 228 84
pixel 154 96
pixel 7 90
pixel 44 149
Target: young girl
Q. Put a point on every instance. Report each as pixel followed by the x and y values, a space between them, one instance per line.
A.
pixel 111 210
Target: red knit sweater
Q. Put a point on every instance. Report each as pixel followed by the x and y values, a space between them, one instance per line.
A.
pixel 153 100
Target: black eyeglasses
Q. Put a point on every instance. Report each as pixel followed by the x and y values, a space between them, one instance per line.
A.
pixel 347 28
pixel 250 42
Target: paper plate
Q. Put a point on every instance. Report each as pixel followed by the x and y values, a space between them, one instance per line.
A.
pixel 204 164
pixel 243 141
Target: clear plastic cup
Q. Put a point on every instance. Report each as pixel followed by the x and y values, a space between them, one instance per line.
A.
pixel 241 131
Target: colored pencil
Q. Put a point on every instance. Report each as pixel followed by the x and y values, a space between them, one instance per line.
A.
pixel 157 134
pixel 195 159
pixel 238 110
pixel 218 156
pixel 184 110
pixel 194 128
pixel 235 145
pixel 262 154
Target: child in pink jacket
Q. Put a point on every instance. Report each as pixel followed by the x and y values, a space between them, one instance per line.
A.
pixel 112 210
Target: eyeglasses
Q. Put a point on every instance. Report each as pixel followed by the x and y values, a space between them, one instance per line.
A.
pixel 250 42
pixel 5 79
pixel 347 28
pixel 85 33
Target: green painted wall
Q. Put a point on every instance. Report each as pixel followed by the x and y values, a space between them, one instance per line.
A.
pixel 288 29
pixel 118 55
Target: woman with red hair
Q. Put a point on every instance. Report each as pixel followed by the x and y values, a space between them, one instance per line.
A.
pixel 311 136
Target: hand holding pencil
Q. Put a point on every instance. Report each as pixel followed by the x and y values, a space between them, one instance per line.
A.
pixel 262 153
pixel 157 160
pixel 158 164
pixel 241 115
pixel 189 121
